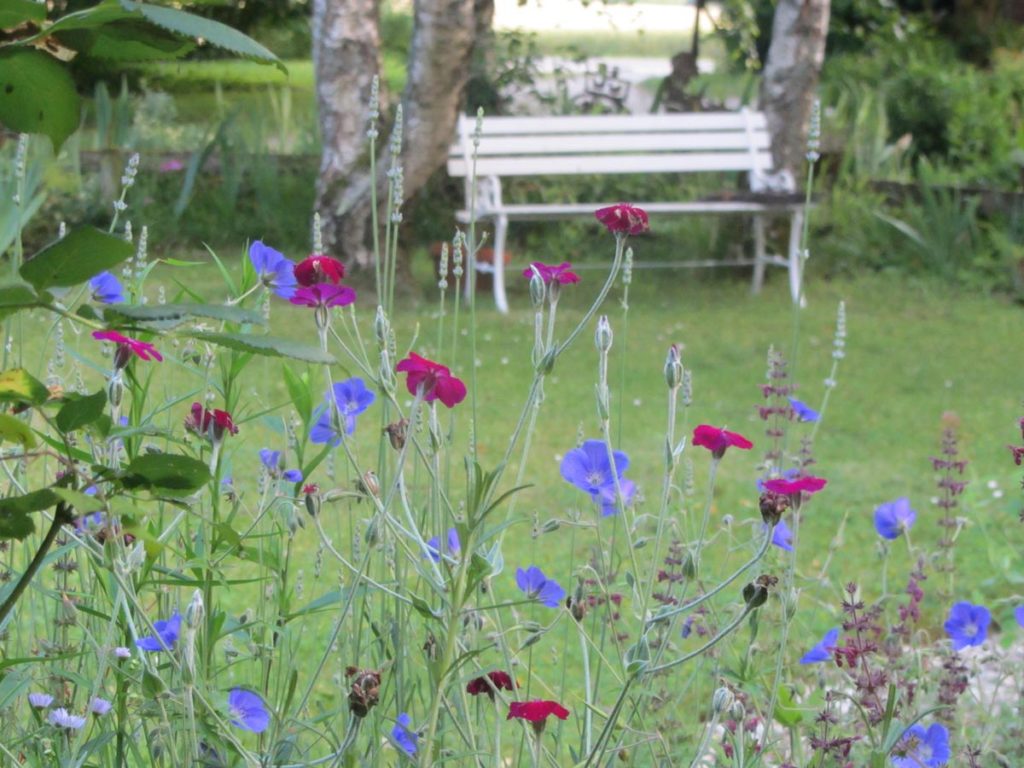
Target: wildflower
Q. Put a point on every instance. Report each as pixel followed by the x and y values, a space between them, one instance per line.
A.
pixel 894 517
pixel 171 166
pixel 623 218
pixel 351 397
pixel 272 461
pixel 61 718
pixel 921 748
pixel 404 738
pixel 791 488
pixel 211 424
pixel 40 700
pixel 589 469
pixel 106 289
pixel 273 269
pixel 536 585
pixel 536 711
pixel 823 650
pixel 126 347
pixel 967 624
pixel 1018 614
pixel 166 635
pixel 803 411
pixel 319 268
pixel 99 707
pixel 323 295
pixel 782 537
pixel 121 652
pixel 1018 453
pixel 435 380
pixel 718 440
pixel 559 273
pixel 247 711
pixel 434 546
pixel 493 681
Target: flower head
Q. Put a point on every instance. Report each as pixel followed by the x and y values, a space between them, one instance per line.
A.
pixel 717 440
pixel 99 707
pixel 782 537
pixel 319 268
pixel 435 380
pixel 791 488
pixel 126 347
pixel 967 624
pixel 106 289
pixel 558 273
pixel 454 546
pixel 61 718
pixel 894 517
pixel 623 218
pixel 491 682
pixel 211 424
pixel 803 411
pixel 1018 614
pixel 536 711
pixel 165 637
pixel 921 748
pixel 323 295
pixel 404 738
pixel 590 470
pixel 272 461
pixel 171 166
pixel 273 269
pixel 351 397
pixel 40 700
pixel 121 652
pixel 823 650
pixel 536 585
pixel 247 711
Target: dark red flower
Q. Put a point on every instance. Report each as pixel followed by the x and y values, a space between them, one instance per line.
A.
pixel 319 268
pixel 559 273
pixel 718 440
pixel 435 379
pixel 126 347
pixel 211 424
pixel 1018 453
pixel 623 218
pixel 808 484
pixel 536 711
pixel 498 680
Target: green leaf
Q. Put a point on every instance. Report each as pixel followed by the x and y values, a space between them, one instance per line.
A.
pixel 82 503
pixel 15 12
pixel 75 258
pixel 423 608
pixel 170 473
pixel 786 710
pixel 15 525
pixel 37 95
pixel 18 385
pixel 173 314
pixel 212 32
pixel 36 501
pixel 300 393
pixel 128 40
pixel 269 346
pixel 16 431
pixel 81 410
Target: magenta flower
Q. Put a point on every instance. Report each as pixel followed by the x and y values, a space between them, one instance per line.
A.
pixel 435 379
pixel 559 273
pixel 718 440
pixel 623 218
pixel 126 347
pixel 323 295
pixel 784 487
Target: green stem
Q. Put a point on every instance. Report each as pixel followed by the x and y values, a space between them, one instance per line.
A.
pixel 60 517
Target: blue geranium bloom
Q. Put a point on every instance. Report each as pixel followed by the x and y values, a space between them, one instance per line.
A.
pixel 434 546
pixel 106 289
pixel 352 398
pixel 589 469
pixel 535 584
pixel 967 624
pixel 1018 614
pixel 922 748
pixel 273 269
pixel 404 738
pixel 894 517
pixel 247 711
pixel 823 650
pixel 803 411
pixel 272 461
pixel 782 537
pixel 166 635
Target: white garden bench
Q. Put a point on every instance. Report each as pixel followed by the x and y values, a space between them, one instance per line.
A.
pixel 598 144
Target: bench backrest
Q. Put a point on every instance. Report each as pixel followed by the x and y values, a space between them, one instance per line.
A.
pixel 673 143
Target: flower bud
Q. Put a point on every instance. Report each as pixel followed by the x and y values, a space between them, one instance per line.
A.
pixel 537 288
pixel 195 610
pixel 115 390
pixel 722 700
pixel 603 335
pixel 397 433
pixel 381 327
pixel 673 368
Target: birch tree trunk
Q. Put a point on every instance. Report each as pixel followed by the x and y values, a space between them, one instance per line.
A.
pixel 791 75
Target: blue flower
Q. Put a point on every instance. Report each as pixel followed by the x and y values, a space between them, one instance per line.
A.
pixel 967 624
pixel 247 711
pixel 920 748
pixel 106 289
pixel 589 469
pixel 166 635
pixel 823 650
pixel 272 461
pixel 404 738
pixel 894 517
pixel 352 398
pixel 535 584
pixel 273 269
pixel 782 537
pixel 803 411
pixel 1018 614
pixel 434 546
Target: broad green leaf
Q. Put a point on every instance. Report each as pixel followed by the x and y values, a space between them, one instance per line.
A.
pixel 16 431
pixel 786 710
pixel 37 95
pixel 18 385
pixel 75 258
pixel 128 40
pixel 82 503
pixel 36 501
pixel 16 296
pixel 299 391
pixel 169 473
pixel 81 410
pixel 268 346
pixel 176 313
pixel 15 525
pixel 15 12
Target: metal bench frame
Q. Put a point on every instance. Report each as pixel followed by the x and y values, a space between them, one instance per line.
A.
pixel 700 142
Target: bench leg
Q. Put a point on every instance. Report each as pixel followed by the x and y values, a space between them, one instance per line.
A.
pixel 760 257
pixel 500 232
pixel 796 265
